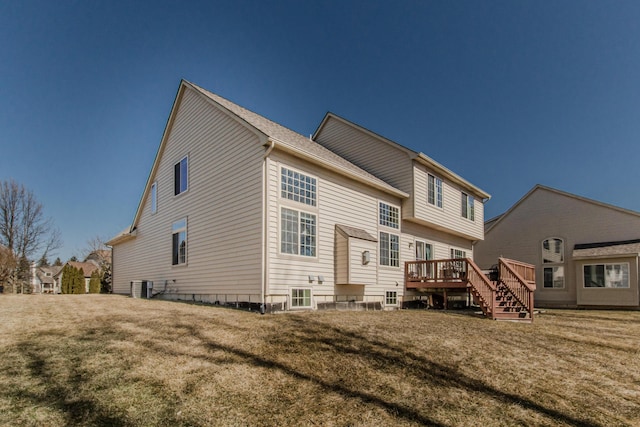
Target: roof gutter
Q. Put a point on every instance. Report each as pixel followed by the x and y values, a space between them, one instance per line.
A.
pixel 122 237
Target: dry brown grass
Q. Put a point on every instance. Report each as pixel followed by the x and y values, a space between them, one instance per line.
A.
pixel 110 360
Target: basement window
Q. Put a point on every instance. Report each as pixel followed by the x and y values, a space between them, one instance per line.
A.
pixel 301 298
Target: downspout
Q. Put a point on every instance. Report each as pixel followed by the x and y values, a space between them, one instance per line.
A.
pixel 265 223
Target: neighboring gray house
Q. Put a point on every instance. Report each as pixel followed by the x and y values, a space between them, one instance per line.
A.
pixel 240 210
pixel 585 252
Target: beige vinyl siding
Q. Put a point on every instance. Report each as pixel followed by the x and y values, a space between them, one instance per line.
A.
pixel 449 217
pixel 358 272
pixel 342 258
pixel 619 297
pixel 339 201
pixel 543 214
pixel 389 163
pixel 223 208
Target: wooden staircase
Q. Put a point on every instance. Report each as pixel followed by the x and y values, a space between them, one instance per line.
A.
pixel 506 295
pixel 512 285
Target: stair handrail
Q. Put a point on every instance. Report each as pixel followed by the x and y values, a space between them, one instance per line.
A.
pixel 520 288
pixel 483 286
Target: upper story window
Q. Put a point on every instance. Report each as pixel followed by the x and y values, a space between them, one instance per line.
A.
pixel 298 187
pixel 552 250
pixel 181 176
pixel 179 237
pixel 434 196
pixel 154 197
pixel 389 215
pixel 468 210
pixel 606 275
pixel 298 232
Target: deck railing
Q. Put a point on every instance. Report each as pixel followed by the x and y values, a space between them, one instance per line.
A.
pixel 485 290
pixel 520 278
pixel 453 273
pixel 436 271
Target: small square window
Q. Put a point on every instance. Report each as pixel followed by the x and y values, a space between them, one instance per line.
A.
pixel 301 298
pixel 391 298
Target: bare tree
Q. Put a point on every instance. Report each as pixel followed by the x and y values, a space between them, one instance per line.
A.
pixel 8 265
pixel 24 230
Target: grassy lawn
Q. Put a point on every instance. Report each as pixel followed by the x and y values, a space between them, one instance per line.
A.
pixel 116 361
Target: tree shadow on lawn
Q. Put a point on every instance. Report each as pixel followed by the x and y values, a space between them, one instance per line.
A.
pixel 62 396
pixel 313 335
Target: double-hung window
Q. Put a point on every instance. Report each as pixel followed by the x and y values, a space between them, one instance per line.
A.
pixel 434 196
pixel 298 229
pixel 389 216
pixel 181 176
pixel 468 210
pixel 298 232
pixel 553 261
pixel 179 237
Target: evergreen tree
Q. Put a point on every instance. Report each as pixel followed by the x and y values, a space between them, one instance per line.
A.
pixel 78 282
pixel 57 262
pixel 94 282
pixel 65 284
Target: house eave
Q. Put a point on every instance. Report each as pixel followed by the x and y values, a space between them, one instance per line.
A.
pixel 281 145
pixel 451 176
pixel 123 237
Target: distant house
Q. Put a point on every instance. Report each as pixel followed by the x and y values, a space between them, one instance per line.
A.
pixel 586 252
pixel 240 210
pixel 87 268
pixel 45 281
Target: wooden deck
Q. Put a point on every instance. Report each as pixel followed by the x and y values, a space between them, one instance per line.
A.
pixel 507 296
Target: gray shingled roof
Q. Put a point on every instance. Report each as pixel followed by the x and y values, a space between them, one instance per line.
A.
pixel 606 249
pixel 355 232
pixel 295 140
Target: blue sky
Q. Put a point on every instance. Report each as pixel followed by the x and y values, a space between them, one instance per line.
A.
pixel 507 94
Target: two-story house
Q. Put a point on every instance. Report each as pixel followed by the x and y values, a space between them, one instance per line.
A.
pixel 240 210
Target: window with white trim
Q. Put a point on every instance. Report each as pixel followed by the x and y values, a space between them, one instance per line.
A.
pixel 458 253
pixel 553 277
pixel 179 238
pixel 297 187
pixel 552 250
pixel 606 275
pixel 181 176
pixel 468 210
pixel 301 298
pixel 553 258
pixel 434 191
pixel 389 249
pixel 154 197
pixel 391 298
pixel 298 232
pixel 389 215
